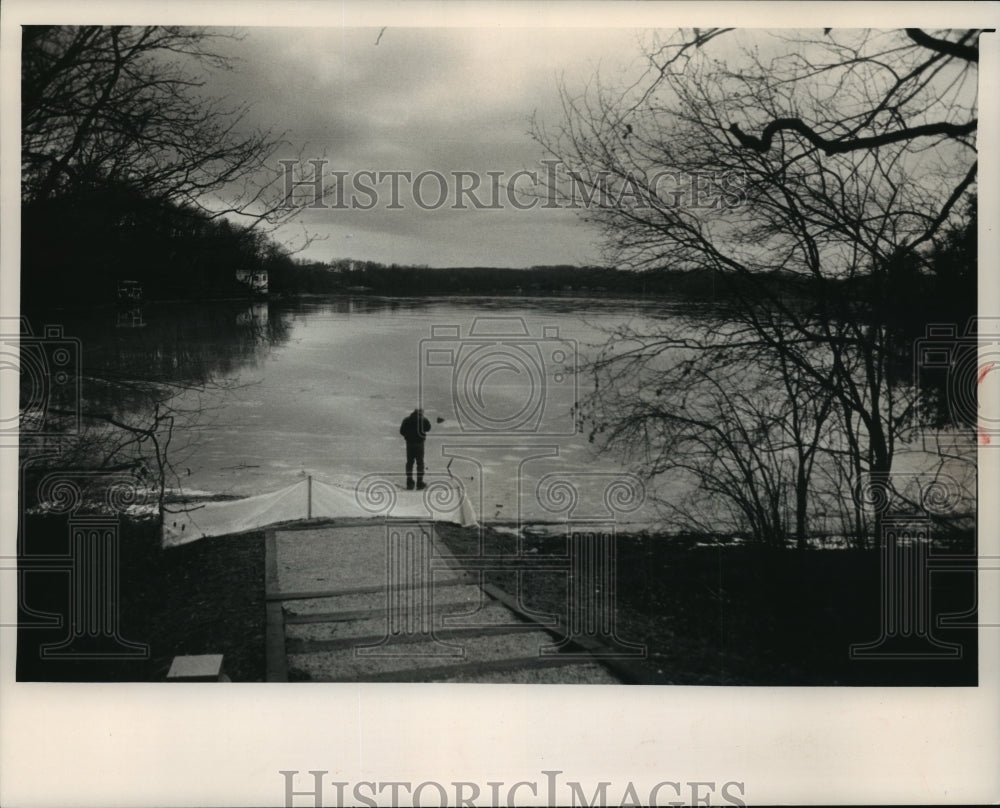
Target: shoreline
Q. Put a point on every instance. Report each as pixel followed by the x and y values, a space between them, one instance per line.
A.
pixel 707 615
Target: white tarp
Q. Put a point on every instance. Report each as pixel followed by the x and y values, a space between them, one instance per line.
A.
pixel 312 498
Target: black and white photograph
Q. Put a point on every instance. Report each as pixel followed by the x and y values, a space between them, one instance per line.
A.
pixel 386 388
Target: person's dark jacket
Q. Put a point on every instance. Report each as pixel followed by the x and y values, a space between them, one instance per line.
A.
pixel 415 427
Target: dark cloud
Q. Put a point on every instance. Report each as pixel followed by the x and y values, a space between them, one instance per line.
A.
pixel 422 99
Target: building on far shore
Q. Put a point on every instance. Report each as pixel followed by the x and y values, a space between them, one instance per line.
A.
pixel 255 279
pixel 129 291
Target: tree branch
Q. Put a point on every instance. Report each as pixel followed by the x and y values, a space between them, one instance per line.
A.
pixel 969 53
pixel 763 143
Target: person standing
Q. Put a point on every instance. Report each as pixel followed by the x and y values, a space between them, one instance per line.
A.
pixel 414 430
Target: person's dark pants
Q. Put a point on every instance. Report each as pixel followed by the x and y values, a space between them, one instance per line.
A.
pixel 415 454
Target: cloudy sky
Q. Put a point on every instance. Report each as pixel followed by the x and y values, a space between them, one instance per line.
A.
pixel 425 100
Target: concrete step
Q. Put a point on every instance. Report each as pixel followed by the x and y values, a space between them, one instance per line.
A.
pixel 459 596
pixel 332 619
pixel 427 661
pixel 377 624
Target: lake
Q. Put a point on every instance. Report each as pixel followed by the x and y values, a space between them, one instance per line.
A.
pixel 319 387
pixel 273 391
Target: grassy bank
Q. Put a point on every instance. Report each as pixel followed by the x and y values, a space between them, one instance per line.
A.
pixel 720 615
pixel 731 615
pixel 201 598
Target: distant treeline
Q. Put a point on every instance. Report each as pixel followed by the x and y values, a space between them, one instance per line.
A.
pixel 937 285
pixel 373 278
pixel 78 249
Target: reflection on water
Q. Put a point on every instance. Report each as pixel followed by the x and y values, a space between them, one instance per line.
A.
pixel 132 363
pixel 187 343
pixel 266 391
pixel 319 385
pixel 254 315
pixel 130 318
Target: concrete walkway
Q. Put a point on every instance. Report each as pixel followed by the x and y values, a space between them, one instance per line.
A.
pixel 377 601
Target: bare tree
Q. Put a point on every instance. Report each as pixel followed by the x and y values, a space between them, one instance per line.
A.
pixel 805 236
pixel 116 118
pixel 738 429
pixel 888 76
pixel 124 107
